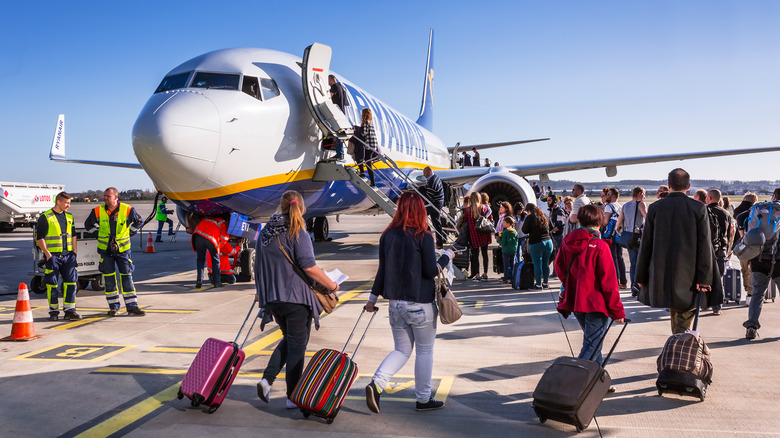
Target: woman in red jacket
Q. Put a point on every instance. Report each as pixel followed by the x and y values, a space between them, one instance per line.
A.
pixel 587 271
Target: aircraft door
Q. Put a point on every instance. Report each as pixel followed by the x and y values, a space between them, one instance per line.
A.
pixel 316 92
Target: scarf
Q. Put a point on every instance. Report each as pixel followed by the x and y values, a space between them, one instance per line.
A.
pixel 277 224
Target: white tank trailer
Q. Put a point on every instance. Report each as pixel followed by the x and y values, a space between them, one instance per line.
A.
pixel 21 203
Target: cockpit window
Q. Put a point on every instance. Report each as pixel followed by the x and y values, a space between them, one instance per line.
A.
pixel 173 82
pixel 215 80
pixel 251 87
pixel 269 88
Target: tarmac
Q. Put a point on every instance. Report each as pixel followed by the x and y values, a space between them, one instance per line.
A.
pixel 119 376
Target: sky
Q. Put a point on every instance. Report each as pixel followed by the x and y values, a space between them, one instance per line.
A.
pixel 602 79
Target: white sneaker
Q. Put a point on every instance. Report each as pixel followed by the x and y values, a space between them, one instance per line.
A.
pixel 291 405
pixel 264 390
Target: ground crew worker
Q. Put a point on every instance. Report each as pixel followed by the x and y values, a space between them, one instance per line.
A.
pixel 209 235
pixel 162 219
pixel 57 241
pixel 225 268
pixel 115 223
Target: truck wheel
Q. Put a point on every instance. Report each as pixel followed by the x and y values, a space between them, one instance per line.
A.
pixel 6 227
pixel 97 283
pixel 247 266
pixel 37 285
pixel 321 228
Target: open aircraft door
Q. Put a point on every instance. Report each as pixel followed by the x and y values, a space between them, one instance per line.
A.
pixel 316 91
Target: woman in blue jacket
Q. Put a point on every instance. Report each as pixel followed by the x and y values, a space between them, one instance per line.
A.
pixel 407 269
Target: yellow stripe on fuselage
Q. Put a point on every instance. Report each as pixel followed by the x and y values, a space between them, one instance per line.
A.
pixel 271 180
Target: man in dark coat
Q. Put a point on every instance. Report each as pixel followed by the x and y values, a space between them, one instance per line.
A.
pixel 676 257
pixel 434 192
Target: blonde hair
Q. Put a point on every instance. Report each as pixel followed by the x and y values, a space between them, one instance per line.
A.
pixel 365 115
pixel 292 206
pixel 485 198
pixel 475 201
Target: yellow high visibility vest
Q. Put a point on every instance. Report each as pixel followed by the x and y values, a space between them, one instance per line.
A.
pixel 54 234
pixel 122 227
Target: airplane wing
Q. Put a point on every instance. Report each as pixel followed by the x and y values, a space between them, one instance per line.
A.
pixel 469 174
pixel 57 152
pixel 458 146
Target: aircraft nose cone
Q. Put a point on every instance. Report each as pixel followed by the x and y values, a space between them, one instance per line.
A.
pixel 176 139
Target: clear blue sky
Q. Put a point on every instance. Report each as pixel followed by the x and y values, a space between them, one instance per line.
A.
pixel 601 78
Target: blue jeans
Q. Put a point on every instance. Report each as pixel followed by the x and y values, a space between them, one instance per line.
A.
pixel 295 323
pixel 161 224
pixel 760 285
pixel 620 264
pixel 633 255
pixel 540 256
pixel 594 325
pixel 201 246
pixel 509 261
pixel 414 327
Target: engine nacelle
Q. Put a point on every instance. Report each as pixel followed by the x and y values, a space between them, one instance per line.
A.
pixel 502 185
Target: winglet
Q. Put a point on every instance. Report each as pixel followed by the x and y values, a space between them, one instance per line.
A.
pixel 426 109
pixel 57 151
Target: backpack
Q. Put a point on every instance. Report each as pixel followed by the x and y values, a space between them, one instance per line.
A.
pixel 762 231
pixel 609 229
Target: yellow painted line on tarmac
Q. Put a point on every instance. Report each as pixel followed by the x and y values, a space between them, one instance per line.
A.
pixel 195 350
pixel 132 414
pixel 479 304
pixel 89 319
pixel 327 254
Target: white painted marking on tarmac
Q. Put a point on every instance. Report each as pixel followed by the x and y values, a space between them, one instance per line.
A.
pixel 350 248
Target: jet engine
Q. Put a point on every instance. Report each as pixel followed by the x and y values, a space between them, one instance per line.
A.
pixel 502 185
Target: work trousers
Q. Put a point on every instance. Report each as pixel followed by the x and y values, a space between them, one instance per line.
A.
pixel 761 278
pixel 414 327
pixel 682 320
pixel 435 214
pixel 109 265
pixel 295 323
pixel 160 225
pixel 61 267
pixel 201 246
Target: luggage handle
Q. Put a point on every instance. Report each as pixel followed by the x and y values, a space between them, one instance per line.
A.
pixel 235 341
pixel 611 350
pixel 365 331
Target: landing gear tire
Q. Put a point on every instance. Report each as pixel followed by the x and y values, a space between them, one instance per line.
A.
pixel 246 265
pixel 321 228
pixel 37 285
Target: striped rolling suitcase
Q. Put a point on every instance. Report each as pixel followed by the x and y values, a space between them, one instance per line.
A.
pixel 214 369
pixel 327 379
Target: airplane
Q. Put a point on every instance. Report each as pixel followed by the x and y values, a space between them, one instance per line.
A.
pixel 231 130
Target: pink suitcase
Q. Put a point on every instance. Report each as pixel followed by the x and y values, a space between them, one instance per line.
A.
pixel 213 371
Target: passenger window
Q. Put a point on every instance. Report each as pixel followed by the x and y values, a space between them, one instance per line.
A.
pixel 251 87
pixel 216 80
pixel 269 88
pixel 173 82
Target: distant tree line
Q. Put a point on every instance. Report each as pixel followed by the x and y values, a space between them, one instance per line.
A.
pixel 127 195
pixel 730 188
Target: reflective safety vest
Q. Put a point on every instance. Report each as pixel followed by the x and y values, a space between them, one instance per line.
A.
pixel 54 234
pixel 122 227
pixel 213 229
pixel 161 212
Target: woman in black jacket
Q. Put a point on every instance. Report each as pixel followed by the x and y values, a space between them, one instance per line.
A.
pixel 407 269
pixel 539 243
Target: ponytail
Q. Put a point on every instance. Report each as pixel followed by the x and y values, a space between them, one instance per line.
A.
pixel 292 206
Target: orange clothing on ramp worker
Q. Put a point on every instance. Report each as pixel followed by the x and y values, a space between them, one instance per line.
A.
pixel 210 235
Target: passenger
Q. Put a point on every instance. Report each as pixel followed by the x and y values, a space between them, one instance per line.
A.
pixel 56 237
pixel 537 190
pixel 764 269
pixel 589 282
pixel 748 201
pixel 486 203
pixel 727 205
pixel 719 235
pixel 434 191
pixel 550 191
pixel 407 268
pixel 210 235
pixel 479 240
pixel 507 240
pixel 628 223
pixel 558 220
pixel 283 295
pixel 162 219
pixel 366 153
pixel 466 160
pixel 701 196
pixel 520 216
pixel 568 203
pixel 338 95
pixel 662 192
pixel 675 258
pixel 476 159
pixel 612 211
pixel 487 162
pixel 540 244
pixel 496 164
pixel 504 210
pixel 578 192
pixel 116 223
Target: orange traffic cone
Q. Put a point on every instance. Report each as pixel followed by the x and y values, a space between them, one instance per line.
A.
pixel 150 244
pixel 22 329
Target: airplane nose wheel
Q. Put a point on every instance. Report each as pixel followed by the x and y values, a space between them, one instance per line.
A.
pixel 321 229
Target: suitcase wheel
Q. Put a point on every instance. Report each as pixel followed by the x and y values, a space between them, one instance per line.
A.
pixel 305 413
pixel 213 408
pixel 332 417
pixel 542 419
pixel 179 395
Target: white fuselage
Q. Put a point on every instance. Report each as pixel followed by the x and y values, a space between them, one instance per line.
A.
pixel 214 143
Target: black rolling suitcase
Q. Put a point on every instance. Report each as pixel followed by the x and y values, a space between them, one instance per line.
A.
pixel 732 285
pixel 571 389
pixel 462 259
pixel 684 365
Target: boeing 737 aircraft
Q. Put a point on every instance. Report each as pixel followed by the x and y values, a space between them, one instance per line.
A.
pixel 231 130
